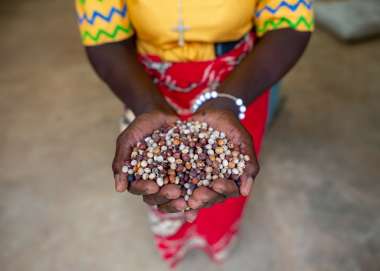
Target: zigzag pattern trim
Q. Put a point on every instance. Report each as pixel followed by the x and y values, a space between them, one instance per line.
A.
pixel 277 23
pixel 108 18
pixel 101 32
pixel 285 4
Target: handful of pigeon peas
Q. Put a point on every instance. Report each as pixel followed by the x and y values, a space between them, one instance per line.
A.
pixel 189 154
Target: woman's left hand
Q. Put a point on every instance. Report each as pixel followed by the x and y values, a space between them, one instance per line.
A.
pixel 227 122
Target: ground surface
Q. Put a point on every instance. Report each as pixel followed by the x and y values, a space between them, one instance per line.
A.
pixel 315 206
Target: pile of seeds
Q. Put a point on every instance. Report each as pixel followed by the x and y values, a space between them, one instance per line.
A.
pixel 190 154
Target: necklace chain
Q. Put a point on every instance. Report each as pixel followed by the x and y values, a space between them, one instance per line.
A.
pixel 181 28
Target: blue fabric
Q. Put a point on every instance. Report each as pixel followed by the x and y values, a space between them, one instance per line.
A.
pixel 274 101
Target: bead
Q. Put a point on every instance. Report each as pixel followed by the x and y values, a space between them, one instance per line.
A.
pixel 225 163
pixel 140 171
pixel 242 108
pixel 220 142
pixel 176 141
pixel 171 159
pixel 207 95
pixel 124 169
pixel 241 116
pixel 194 181
pixel 171 178
pixel 219 150
pixel 159 159
pixel 239 102
pixel 214 94
pixel 208 169
pixel 160 181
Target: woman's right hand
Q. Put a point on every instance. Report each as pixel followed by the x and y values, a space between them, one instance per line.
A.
pixel 168 197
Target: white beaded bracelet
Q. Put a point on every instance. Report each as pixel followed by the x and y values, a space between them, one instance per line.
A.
pixel 213 95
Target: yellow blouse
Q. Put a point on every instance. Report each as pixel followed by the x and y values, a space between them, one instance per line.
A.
pixel 206 22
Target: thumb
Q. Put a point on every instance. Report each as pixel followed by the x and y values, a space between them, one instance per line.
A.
pixel 121 154
pixel 248 178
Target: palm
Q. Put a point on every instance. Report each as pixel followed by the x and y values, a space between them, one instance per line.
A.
pixel 142 126
pixel 225 121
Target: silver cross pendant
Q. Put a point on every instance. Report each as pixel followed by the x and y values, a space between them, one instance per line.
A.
pixel 181 29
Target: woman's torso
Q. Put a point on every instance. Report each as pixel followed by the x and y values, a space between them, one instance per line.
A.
pixel 208 21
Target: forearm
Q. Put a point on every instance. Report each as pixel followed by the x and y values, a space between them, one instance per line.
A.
pixel 117 65
pixel 271 58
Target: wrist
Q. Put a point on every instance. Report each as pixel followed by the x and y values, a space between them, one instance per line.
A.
pixel 221 104
pixel 221 101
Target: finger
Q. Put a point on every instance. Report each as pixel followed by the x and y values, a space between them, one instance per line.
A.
pixel 246 186
pixel 191 215
pixel 121 183
pixel 170 191
pixel 248 177
pixel 203 197
pixel 166 193
pixel 143 187
pixel 154 199
pixel 227 188
pixel 173 206
pixel 122 152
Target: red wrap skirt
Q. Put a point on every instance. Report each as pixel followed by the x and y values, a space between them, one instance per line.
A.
pixel 215 228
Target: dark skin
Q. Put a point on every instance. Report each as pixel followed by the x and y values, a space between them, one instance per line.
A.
pixel 117 65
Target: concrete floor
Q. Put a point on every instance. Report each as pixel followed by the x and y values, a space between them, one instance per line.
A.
pixel 315 205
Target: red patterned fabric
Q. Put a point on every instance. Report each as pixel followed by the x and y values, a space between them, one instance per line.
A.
pixel 214 228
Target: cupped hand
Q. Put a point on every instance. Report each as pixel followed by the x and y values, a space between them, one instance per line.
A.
pixel 227 122
pixel 168 197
